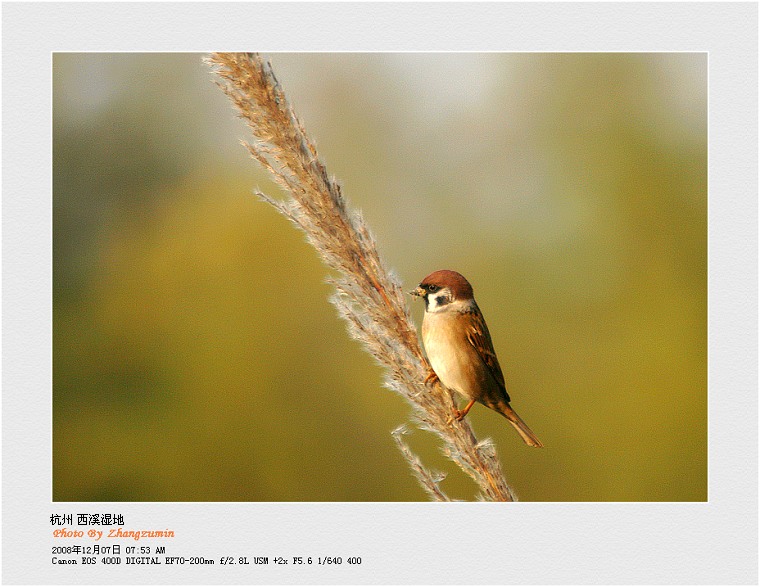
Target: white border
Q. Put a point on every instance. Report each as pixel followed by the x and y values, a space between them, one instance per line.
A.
pixel 714 542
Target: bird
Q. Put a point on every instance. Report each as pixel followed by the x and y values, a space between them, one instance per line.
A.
pixel 459 348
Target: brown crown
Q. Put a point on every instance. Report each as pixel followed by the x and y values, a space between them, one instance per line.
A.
pixel 456 282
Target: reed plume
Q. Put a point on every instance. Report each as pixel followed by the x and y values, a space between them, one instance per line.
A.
pixel 367 295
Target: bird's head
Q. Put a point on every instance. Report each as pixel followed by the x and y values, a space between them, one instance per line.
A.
pixel 442 288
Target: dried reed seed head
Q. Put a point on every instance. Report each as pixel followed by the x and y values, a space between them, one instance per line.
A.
pixel 369 299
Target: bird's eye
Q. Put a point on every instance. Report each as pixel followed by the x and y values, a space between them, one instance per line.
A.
pixel 433 288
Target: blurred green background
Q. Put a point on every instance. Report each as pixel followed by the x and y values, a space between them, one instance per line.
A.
pixel 196 357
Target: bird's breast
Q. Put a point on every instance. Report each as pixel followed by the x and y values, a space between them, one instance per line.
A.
pixel 453 358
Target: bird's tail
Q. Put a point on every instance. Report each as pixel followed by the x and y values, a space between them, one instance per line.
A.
pixel 521 427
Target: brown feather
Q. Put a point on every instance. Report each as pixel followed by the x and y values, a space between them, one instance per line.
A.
pixel 456 282
pixel 479 337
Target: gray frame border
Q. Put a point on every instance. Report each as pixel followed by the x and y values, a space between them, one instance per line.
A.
pixel 714 542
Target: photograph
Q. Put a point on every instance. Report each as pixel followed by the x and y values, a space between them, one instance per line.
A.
pixel 379 276
pixel 380 293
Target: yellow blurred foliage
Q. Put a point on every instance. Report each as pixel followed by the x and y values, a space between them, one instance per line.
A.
pixel 196 357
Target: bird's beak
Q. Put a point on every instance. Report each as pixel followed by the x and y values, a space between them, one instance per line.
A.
pixel 417 292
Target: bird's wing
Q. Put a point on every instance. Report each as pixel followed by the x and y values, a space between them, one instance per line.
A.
pixel 479 337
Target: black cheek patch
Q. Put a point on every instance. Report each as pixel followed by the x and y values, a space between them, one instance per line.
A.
pixel 442 300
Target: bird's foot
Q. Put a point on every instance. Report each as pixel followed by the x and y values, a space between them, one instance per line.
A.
pixel 432 378
pixel 460 414
pixel 455 416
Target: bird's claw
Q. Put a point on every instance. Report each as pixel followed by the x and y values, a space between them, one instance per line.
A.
pixel 456 416
pixel 432 378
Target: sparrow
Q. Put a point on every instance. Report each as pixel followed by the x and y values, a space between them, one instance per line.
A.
pixel 459 347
